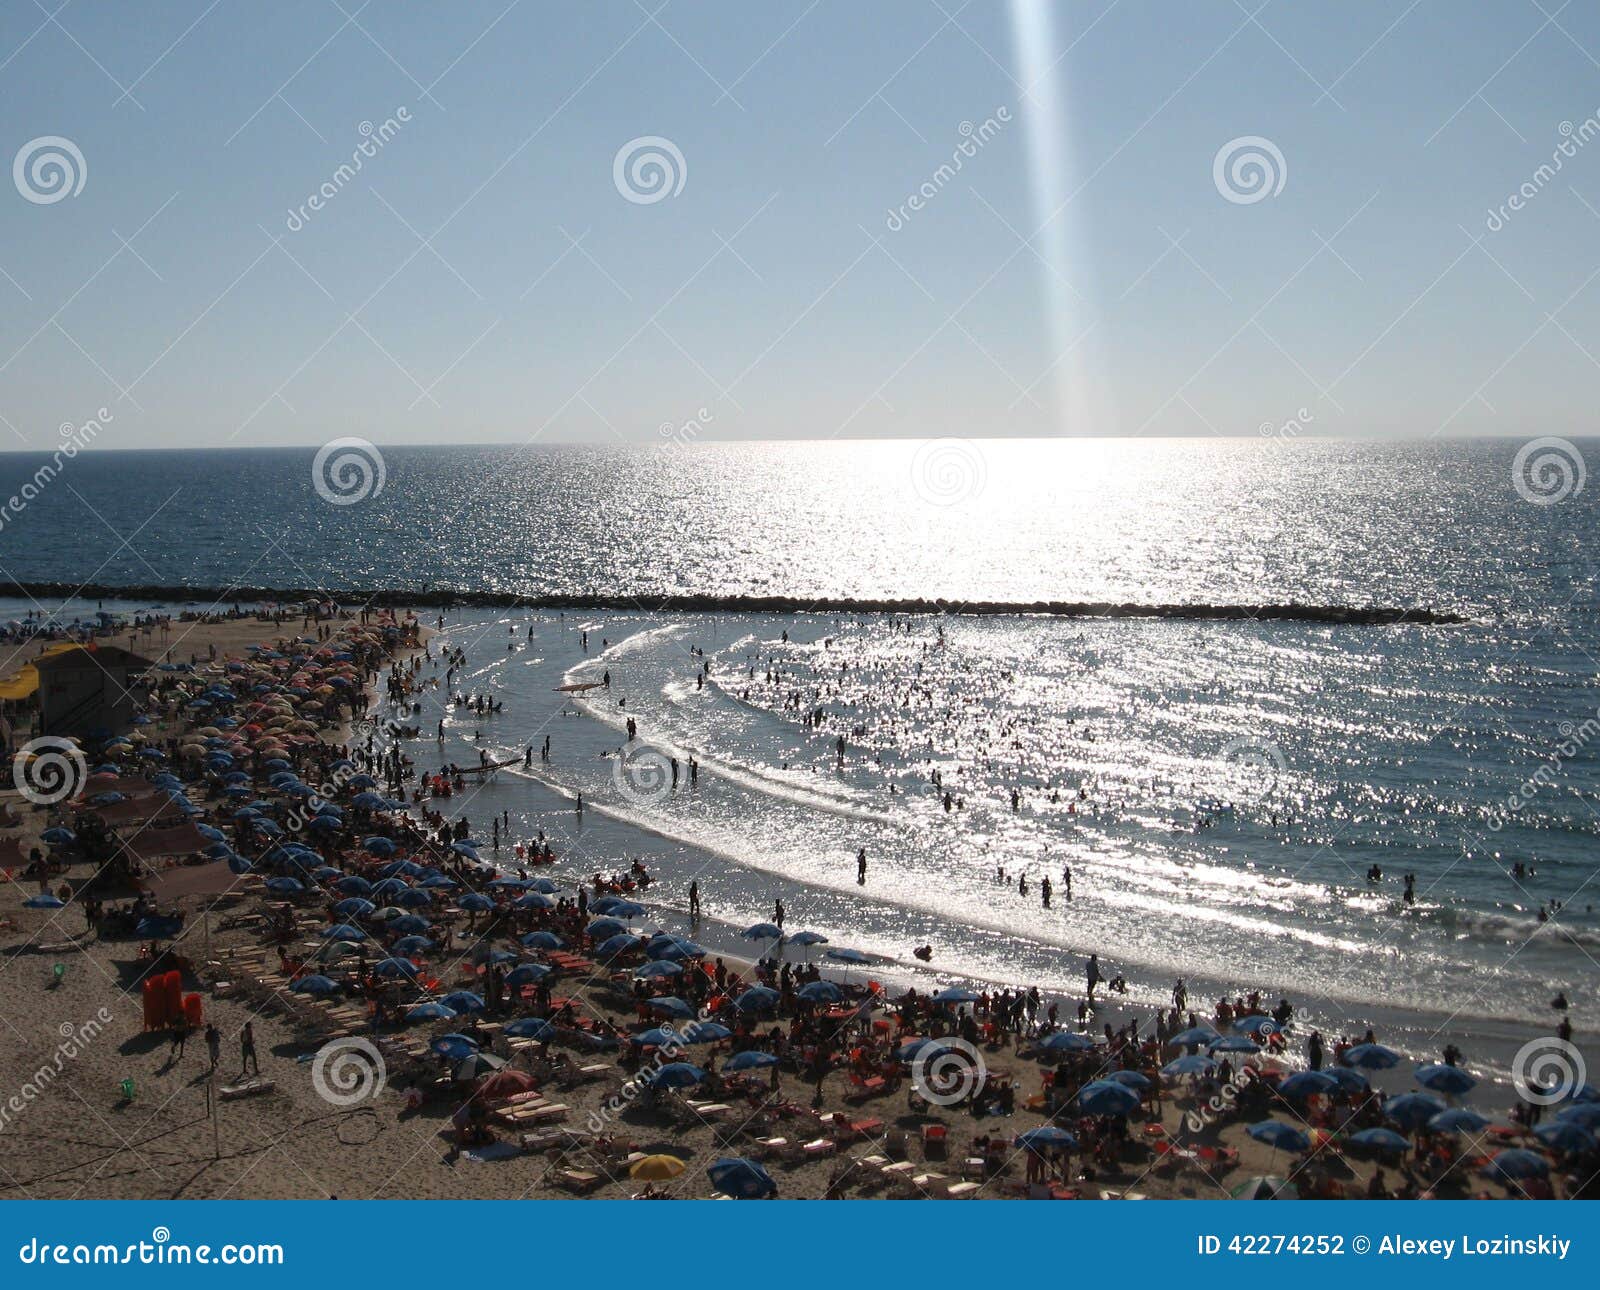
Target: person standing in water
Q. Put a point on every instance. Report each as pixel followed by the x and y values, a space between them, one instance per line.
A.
pixel 1092 974
pixel 861 867
pixel 694 899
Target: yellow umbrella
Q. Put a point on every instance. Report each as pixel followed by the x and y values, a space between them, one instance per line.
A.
pixel 657 1168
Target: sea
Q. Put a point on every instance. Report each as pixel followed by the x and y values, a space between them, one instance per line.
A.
pixel 1238 800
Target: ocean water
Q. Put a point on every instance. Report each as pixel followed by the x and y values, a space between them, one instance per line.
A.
pixel 1219 790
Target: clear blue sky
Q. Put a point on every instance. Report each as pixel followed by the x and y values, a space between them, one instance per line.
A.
pixel 771 291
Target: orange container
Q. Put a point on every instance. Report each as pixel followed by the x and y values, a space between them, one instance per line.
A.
pixel 193 1010
pixel 172 992
pixel 154 997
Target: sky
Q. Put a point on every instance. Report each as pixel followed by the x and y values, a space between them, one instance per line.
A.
pixel 809 260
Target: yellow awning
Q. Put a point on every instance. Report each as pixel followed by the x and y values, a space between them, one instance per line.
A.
pixel 24 685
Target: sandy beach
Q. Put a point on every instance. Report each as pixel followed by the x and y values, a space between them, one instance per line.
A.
pixel 105 1107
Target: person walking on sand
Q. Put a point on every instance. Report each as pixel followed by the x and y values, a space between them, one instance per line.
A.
pixel 247 1050
pixel 1092 974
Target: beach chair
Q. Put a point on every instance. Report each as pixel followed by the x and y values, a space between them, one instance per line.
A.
pixel 580 1182
pixel 935 1138
pixel 962 1190
pixel 931 1185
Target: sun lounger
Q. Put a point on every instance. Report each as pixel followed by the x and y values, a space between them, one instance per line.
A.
pixel 931 1185
pixel 962 1190
pixel 580 1182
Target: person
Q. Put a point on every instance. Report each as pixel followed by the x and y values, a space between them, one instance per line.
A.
pixel 861 867
pixel 214 1044
pixel 1314 1050
pixel 1092 973
pixel 777 912
pixel 694 899
pixel 247 1049
pixel 180 1037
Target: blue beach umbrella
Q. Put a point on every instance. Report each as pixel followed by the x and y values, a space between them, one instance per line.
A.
pixel 476 902
pixel 1233 1044
pixel 1348 1079
pixel 956 994
pixel 413 898
pixel 527 974
pixel 533 900
pixel 705 1032
pixel 762 932
pixel 1584 1114
pixel 354 885
pixel 1279 1136
pixel 1380 1139
pixel 531 1028
pixel 1305 1084
pixel 846 956
pixel 741 1178
pixel 1372 1057
pixel 412 945
pixel 1459 1119
pixel 657 1037
pixel 396 968
pixel 1065 1041
pixel 1449 1080
pixel 1571 1138
pixel 808 938
pixel 1412 1109
pixel 617 946
pixel 672 1006
pixel 409 925
pixel 758 998
pixel 354 907
pixel 60 837
pixel 1189 1064
pixel 342 932
pixel 1107 1097
pixel 1516 1164
pixel 542 941
pixel 1256 1024
pixel 819 992
pixel 604 928
pixel 659 968
pixel 285 886
pixel 463 1001
pixel 44 901
pixel 676 1075
pixel 454 1047
pixel 1135 1080
pixel 750 1060
pixel 316 985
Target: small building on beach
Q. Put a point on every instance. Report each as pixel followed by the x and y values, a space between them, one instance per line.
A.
pixel 87 688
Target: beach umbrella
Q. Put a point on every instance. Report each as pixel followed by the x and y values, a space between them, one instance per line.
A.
pixel 1348 1079
pixel 758 998
pixel 741 1178
pixel 956 994
pixel 846 956
pixel 603 928
pixel 625 909
pixel 676 1075
pixel 674 948
pixel 617 946
pixel 60 837
pixel 515 884
pixel 354 907
pixel 1372 1057
pixel 1516 1164
pixel 1189 1064
pixel 409 924
pixel 673 1007
pixel 316 985
pixel 354 885
pixel 282 886
pixel 1279 1136
pixel 1583 1093
pixel 463 1001
pixel 749 1060
pixel 1135 1080
pixel 464 849
pixel 412 945
pixel 1266 1187
pixel 476 902
pixel 657 1037
pixel 546 886
pixel 454 1047
pixel 1449 1080
pixel 1411 1109
pixel 324 824
pixel 657 1168
pixel 1065 1041
pixel 389 887
pixel 157 927
pixel 527 974
pixel 542 941
pixel 808 938
pixel 1459 1119
pixel 323 872
pixel 1047 1137
pixel 396 968
pixel 819 992
pixel 533 900
pixel 1107 1097
pixel 1380 1139
pixel 343 932
pixel 705 1032
pixel 1257 1024
pixel 762 932
pixel 440 882
pixel 1571 1138
pixel 660 968
pixel 474 1065
pixel 531 1028
pixel 1584 1114
pixel 1305 1084
pixel 413 898
pixel 1233 1044
pixel 332 950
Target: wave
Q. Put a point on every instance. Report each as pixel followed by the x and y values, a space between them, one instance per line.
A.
pixel 1289 611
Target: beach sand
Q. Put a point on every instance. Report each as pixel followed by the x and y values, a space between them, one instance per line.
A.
pixel 73 1018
